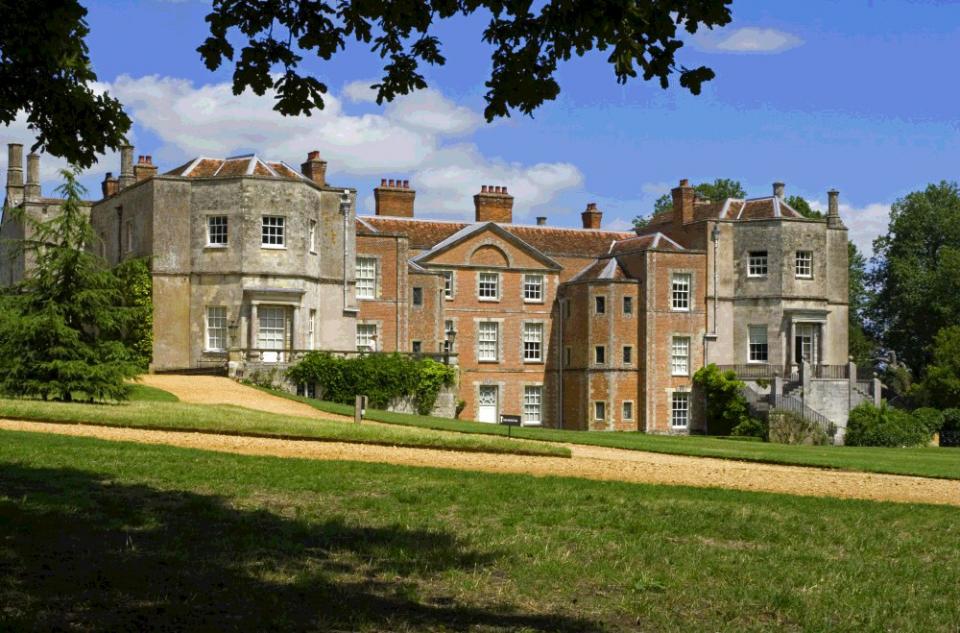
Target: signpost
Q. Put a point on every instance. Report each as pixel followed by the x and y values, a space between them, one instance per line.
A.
pixel 509 421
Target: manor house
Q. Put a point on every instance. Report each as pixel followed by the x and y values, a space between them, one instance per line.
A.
pixel 580 328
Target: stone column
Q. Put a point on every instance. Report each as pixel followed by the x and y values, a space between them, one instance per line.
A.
pixel 254 325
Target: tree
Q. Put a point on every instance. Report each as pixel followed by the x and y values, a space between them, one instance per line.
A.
pixel 720 189
pixel 726 408
pixel 136 294
pixel 663 203
pixel 64 340
pixel 941 384
pixel 917 273
pixel 861 345
pixel 528 43
pixel 45 70
pixel 803 207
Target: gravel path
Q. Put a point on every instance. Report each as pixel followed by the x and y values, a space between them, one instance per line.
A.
pixel 588 462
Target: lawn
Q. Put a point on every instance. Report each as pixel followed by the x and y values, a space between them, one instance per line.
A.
pixel 179 416
pixel 144 393
pixel 110 536
pixel 925 462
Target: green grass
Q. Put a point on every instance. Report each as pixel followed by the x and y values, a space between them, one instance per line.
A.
pixel 925 462
pixel 111 536
pixel 143 393
pixel 179 416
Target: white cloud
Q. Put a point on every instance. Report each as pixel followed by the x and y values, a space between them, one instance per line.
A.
pixel 747 39
pixel 414 137
pixel 863 223
pixel 360 91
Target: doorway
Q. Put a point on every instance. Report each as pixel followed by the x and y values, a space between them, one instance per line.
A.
pixel 270 335
pixel 805 343
pixel 487 404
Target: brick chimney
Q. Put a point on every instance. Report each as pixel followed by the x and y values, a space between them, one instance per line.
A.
pixel 493 204
pixel 778 189
pixel 541 220
pixel 394 198
pixel 144 168
pixel 14 174
pixel 315 168
pixel 592 216
pixel 31 190
pixel 126 166
pixel 683 200
pixel 110 185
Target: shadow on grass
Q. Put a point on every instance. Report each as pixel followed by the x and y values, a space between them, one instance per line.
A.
pixel 78 552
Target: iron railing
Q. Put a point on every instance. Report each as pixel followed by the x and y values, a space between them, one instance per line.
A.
pixel 797 406
pixel 830 372
pixel 754 371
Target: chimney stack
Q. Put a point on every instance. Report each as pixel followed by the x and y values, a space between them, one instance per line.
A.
pixel 127 177
pixel 833 210
pixel 32 189
pixel 683 201
pixel 778 189
pixel 145 168
pixel 591 217
pixel 14 174
pixel 493 204
pixel 541 220
pixel 394 198
pixel 110 185
pixel 315 168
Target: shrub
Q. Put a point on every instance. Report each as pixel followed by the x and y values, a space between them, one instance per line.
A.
pixel 787 427
pixel 381 377
pixel 886 426
pixel 751 427
pixel 951 420
pixel 726 406
pixel 929 418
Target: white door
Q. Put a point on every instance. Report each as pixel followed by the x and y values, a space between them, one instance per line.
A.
pixel 805 343
pixel 271 333
pixel 487 407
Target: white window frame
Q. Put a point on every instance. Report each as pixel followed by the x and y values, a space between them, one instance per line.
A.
pixel 599 410
pixel 312 330
pixel 532 405
pixel 273 337
pixel 484 279
pixel 366 286
pixel 681 292
pixel 680 356
pixel 755 345
pixel 803 265
pixel 680 410
pixel 218 225
pixel 533 285
pixel 313 236
pixel 215 335
pixel 366 337
pixel 758 264
pixel 488 342
pixel 533 342
pixel 447 284
pixel 623 409
pixel 273 231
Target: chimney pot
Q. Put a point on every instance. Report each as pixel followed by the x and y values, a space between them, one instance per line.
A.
pixel 144 168
pixel 383 182
pixel 541 220
pixel 149 159
pixel 684 182
pixel 394 197
pixel 833 210
pixel 406 184
pixel 32 189
pixel 314 155
pixel 778 189
pixel 493 204
pixel 14 173
pixel 126 166
pixel 592 217
pixel 504 189
pixel 314 168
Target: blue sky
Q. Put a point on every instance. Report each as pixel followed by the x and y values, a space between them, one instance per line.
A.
pixel 854 94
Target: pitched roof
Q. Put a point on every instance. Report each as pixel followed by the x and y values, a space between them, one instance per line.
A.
pixel 551 241
pixel 480 227
pixel 732 209
pixel 235 166
pixel 649 241
pixel 604 269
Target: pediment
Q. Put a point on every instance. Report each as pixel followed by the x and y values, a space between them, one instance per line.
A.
pixel 486 245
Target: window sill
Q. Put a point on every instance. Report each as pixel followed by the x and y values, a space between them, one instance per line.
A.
pixel 273 247
pixel 313 252
pixel 756 276
pixel 686 375
pixel 534 301
pixel 216 247
pixel 489 299
pixel 804 277
pixel 679 309
pixel 527 361
pixel 489 362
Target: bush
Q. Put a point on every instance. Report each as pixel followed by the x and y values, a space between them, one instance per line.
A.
pixel 381 377
pixel 787 427
pixel 951 420
pixel 929 418
pixel 751 427
pixel 726 406
pixel 886 426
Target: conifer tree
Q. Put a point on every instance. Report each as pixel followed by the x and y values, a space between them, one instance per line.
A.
pixel 60 338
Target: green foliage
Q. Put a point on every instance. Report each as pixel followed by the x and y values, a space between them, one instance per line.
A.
pixel 940 386
pixel 136 290
pixel 65 340
pixel 751 427
pixel 720 189
pixel 529 42
pixel 46 71
pixel 381 377
pixel 803 208
pixel 726 406
pixel 951 420
pixel 887 426
pixel 787 427
pixel 917 273
pixel 662 204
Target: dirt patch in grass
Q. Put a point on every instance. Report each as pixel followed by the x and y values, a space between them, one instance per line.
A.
pixel 587 462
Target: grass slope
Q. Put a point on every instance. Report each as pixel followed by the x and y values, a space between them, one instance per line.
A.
pixel 112 536
pixel 925 462
pixel 144 393
pixel 179 416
